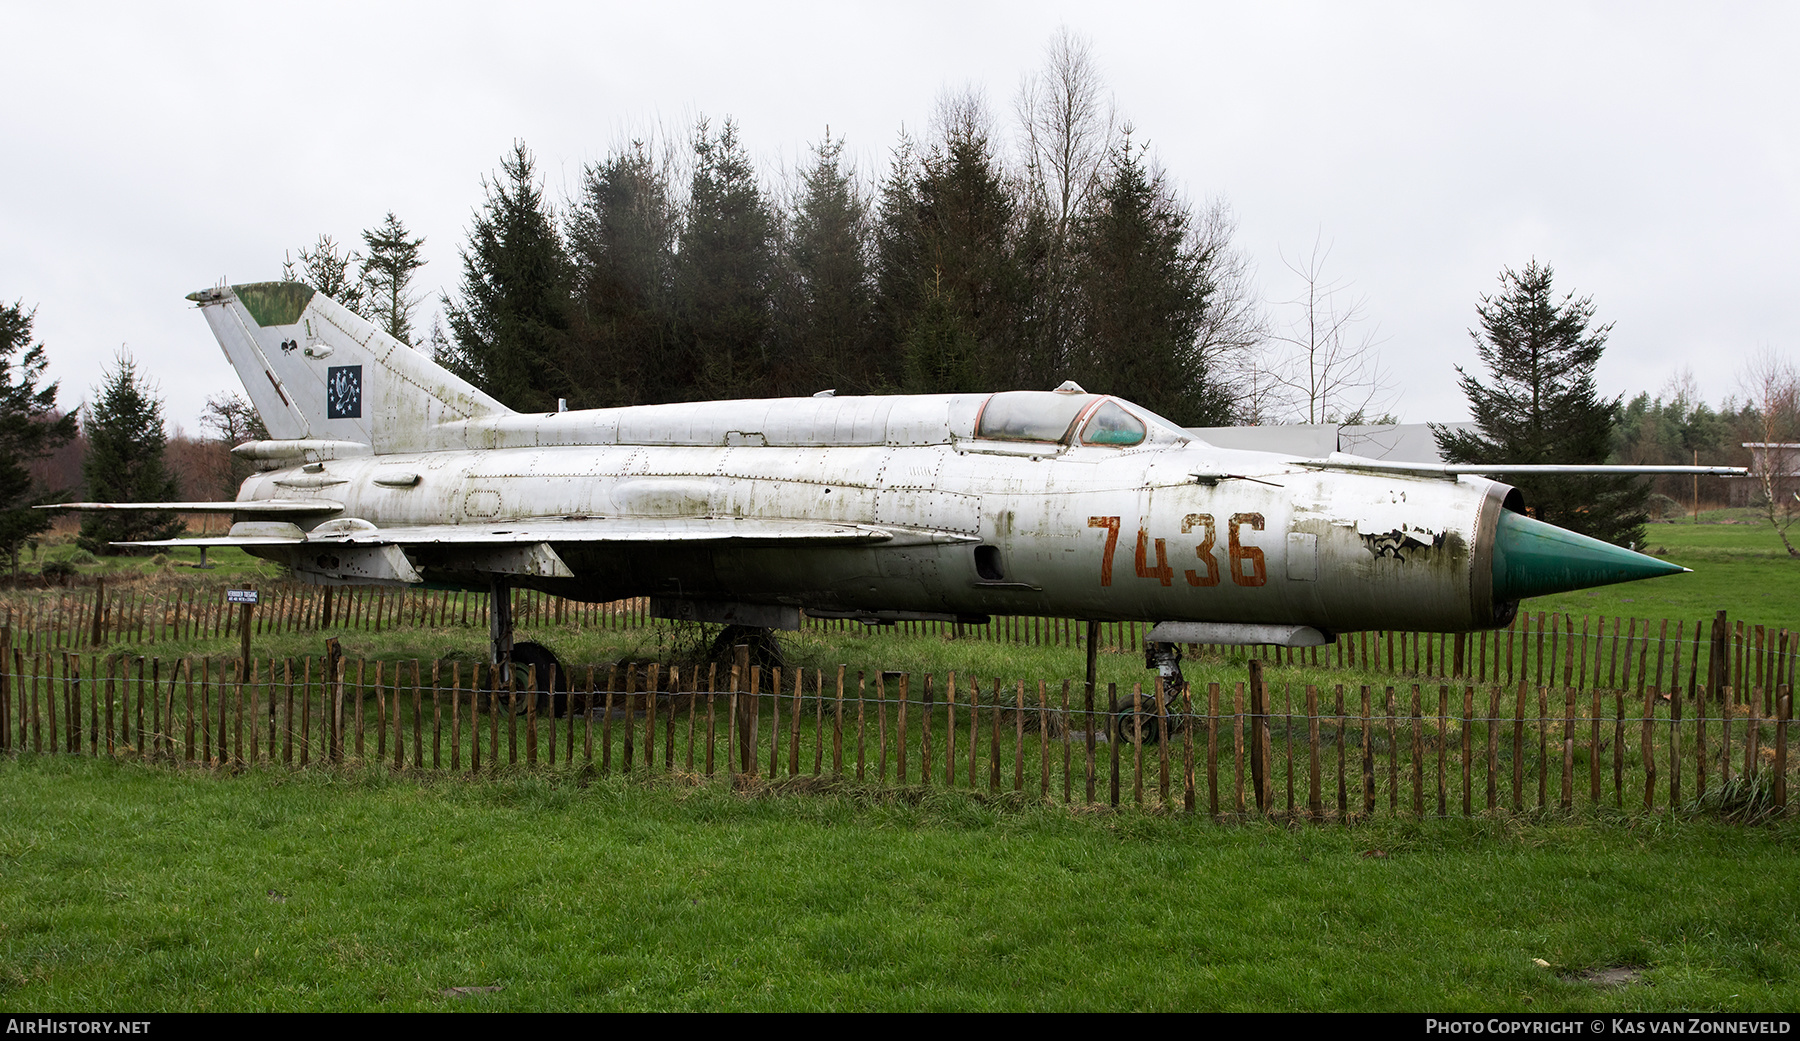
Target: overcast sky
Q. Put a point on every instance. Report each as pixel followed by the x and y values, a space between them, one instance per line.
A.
pixel 1649 153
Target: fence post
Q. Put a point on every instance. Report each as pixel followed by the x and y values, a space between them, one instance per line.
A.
pixel 1093 647
pixel 6 689
pixel 1260 742
pixel 743 710
pixel 1418 753
pixel 1113 736
pixel 837 728
pixel 925 710
pixel 1314 804
pixel 1717 656
pixel 1783 712
pixel 334 676
pixel 99 619
pixel 1518 758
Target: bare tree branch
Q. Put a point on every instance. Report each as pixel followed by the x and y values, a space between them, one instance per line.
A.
pixel 1329 370
pixel 1069 122
pixel 1235 330
pixel 1771 386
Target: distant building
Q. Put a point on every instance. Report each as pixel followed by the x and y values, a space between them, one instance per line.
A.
pixel 1396 442
pixel 1779 458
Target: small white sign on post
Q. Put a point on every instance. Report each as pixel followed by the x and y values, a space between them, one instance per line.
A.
pixel 240 596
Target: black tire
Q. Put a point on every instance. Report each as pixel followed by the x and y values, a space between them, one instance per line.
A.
pixel 765 649
pixel 524 657
pixel 1152 723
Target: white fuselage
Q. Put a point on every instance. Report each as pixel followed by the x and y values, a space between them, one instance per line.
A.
pixel 980 525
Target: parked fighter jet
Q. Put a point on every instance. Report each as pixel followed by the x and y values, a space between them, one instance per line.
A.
pixel 383 468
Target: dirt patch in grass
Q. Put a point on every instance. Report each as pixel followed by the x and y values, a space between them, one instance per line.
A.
pixel 1611 975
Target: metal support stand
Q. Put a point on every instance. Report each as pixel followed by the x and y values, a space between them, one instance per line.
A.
pixel 500 628
pixel 1165 658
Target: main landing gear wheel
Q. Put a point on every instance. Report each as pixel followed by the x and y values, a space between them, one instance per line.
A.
pixel 765 650
pixel 527 655
pixel 1145 717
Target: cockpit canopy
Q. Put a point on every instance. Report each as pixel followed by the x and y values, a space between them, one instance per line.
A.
pixel 1111 425
pixel 1056 417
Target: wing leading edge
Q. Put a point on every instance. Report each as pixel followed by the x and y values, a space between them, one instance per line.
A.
pixel 297 507
pixel 1341 461
pixel 554 529
pixel 351 551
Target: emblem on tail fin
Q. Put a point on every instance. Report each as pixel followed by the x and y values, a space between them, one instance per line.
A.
pixel 343 392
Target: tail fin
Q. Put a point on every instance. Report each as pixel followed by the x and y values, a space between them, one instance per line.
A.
pixel 315 370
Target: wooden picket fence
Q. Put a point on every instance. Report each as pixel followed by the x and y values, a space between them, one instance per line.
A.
pixel 1267 745
pixel 96 617
pixel 1587 651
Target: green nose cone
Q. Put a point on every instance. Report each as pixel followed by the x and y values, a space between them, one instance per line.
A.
pixel 1532 558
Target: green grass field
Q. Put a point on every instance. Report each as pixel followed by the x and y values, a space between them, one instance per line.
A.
pixel 129 888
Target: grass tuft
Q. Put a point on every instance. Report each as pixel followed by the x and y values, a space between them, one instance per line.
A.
pixel 1745 799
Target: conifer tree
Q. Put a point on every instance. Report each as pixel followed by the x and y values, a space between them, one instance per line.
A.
pixel 30 427
pixel 509 331
pixel 966 211
pixel 897 263
pixel 391 257
pixel 1540 405
pixel 723 270
pixel 326 267
pixel 951 296
pixel 621 235
pixel 125 436
pixel 1677 427
pixel 941 352
pixel 1145 297
pixel 825 294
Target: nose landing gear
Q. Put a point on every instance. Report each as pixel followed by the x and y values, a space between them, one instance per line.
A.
pixel 1145 720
